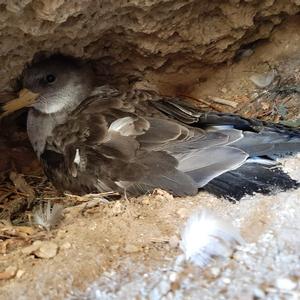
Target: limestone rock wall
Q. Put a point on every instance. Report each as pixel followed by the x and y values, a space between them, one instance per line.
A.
pixel 145 36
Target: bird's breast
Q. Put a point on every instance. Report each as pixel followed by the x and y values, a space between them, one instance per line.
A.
pixel 40 126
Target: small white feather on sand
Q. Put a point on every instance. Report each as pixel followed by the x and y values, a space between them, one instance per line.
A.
pixel 48 216
pixel 206 236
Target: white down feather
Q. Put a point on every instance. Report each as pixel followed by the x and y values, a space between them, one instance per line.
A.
pixel 206 236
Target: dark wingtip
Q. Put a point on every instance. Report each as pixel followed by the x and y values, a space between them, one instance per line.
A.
pixel 250 179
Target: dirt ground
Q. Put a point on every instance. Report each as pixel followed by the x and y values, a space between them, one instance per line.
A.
pixel 128 249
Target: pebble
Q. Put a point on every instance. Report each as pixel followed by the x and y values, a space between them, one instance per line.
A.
pixel 226 280
pixel 174 241
pixel 47 250
pixel 9 273
pixel 285 284
pixel 42 249
pixel 65 246
pixel 30 249
pixel 20 273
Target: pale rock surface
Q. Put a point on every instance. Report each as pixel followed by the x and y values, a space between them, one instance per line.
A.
pixel 136 36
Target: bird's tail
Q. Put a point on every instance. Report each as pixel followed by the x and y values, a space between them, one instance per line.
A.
pixel 264 142
pixel 250 178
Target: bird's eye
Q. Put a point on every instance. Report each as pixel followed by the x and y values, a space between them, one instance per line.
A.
pixel 50 78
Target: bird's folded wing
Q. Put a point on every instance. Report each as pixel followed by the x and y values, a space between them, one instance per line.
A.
pixel 106 138
pixel 259 137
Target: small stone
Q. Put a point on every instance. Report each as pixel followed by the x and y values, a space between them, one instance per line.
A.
pixel 46 250
pixel 174 241
pixel 30 249
pixel 65 246
pixel 9 273
pixel 130 248
pixel 226 280
pixel 20 273
pixel 285 284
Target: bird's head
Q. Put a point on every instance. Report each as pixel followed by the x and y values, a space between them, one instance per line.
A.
pixel 54 84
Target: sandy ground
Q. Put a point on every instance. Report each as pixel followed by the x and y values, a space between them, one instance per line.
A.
pixel 128 249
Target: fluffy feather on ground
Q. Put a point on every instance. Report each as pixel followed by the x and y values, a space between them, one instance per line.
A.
pixel 48 216
pixel 206 236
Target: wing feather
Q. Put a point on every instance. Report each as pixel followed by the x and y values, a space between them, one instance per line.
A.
pixel 106 144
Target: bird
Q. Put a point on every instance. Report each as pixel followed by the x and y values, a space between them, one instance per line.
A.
pixel 92 137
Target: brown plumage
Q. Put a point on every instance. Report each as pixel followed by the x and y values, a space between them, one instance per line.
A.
pixel 93 138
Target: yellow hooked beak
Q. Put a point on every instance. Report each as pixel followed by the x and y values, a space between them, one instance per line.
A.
pixel 25 99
